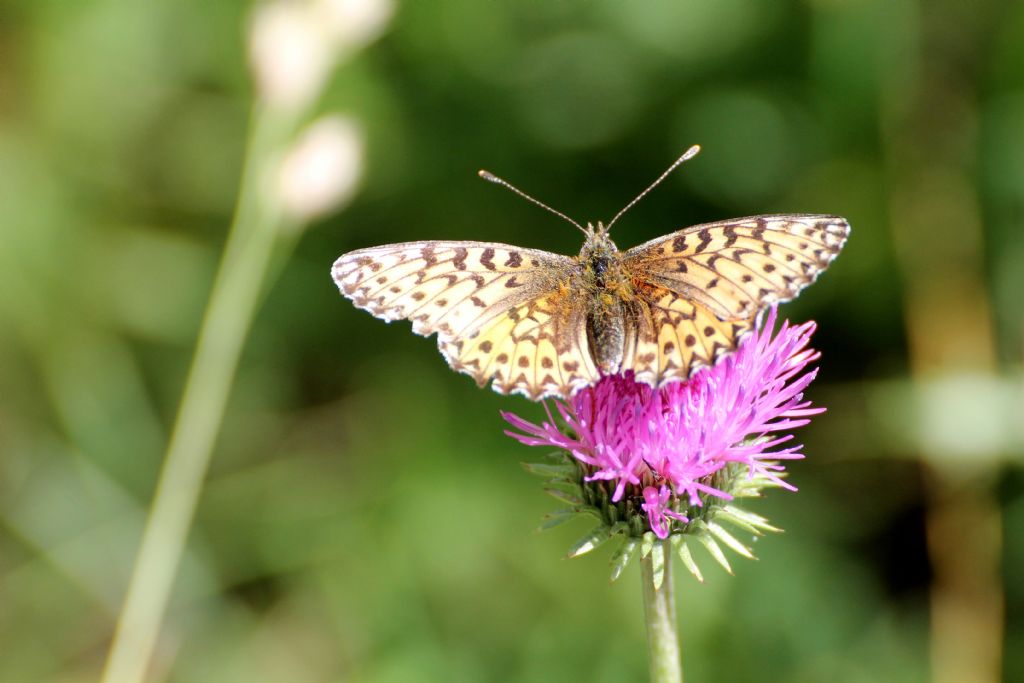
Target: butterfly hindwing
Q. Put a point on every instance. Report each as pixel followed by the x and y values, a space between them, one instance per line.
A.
pixel 537 349
pixel 671 336
pixel 735 268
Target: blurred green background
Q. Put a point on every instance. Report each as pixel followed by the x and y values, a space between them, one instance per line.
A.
pixel 364 518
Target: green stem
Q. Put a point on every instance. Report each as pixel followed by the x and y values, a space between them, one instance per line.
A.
pixel 226 322
pixel 660 615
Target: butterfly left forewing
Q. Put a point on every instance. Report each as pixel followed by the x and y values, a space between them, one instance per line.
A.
pixel 450 288
pixel 501 313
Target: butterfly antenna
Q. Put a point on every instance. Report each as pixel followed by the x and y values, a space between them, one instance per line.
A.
pixel 491 178
pixel 687 155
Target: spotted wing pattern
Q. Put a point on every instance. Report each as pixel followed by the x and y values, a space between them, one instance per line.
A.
pixel 499 311
pixel 705 284
pixel 538 349
pixel 671 336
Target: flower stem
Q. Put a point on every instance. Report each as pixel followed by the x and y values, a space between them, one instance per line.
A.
pixel 660 615
pixel 226 322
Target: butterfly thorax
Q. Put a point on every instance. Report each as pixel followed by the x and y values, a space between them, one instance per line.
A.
pixel 608 290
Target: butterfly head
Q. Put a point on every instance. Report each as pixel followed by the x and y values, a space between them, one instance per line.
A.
pixel 598 244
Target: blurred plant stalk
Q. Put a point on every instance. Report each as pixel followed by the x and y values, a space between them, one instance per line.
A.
pixel 660 614
pixel 285 184
pixel 225 325
pixel 938 229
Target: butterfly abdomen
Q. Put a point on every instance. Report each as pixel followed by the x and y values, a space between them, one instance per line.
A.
pixel 607 336
pixel 605 321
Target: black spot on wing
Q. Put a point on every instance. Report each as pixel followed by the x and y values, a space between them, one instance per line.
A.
pixel 705 239
pixel 487 259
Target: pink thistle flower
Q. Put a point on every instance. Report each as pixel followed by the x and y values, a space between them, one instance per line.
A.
pixel 661 447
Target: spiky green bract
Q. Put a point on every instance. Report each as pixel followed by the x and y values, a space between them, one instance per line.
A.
pixel 716 525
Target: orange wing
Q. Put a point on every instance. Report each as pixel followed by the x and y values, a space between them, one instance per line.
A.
pixel 698 291
pixel 737 267
pixel 501 313
pixel 669 337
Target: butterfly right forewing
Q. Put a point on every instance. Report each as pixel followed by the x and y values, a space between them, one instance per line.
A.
pixel 737 267
pixel 698 291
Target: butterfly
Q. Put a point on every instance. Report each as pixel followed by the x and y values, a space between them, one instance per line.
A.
pixel 547 325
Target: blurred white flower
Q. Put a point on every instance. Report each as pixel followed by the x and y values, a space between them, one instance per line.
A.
pixel 354 23
pixel 289 54
pixel 321 170
pixel 294 44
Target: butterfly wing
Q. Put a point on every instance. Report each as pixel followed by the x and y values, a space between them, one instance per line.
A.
pixel 670 336
pixel 538 348
pixel 698 290
pixel 737 267
pixel 500 312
